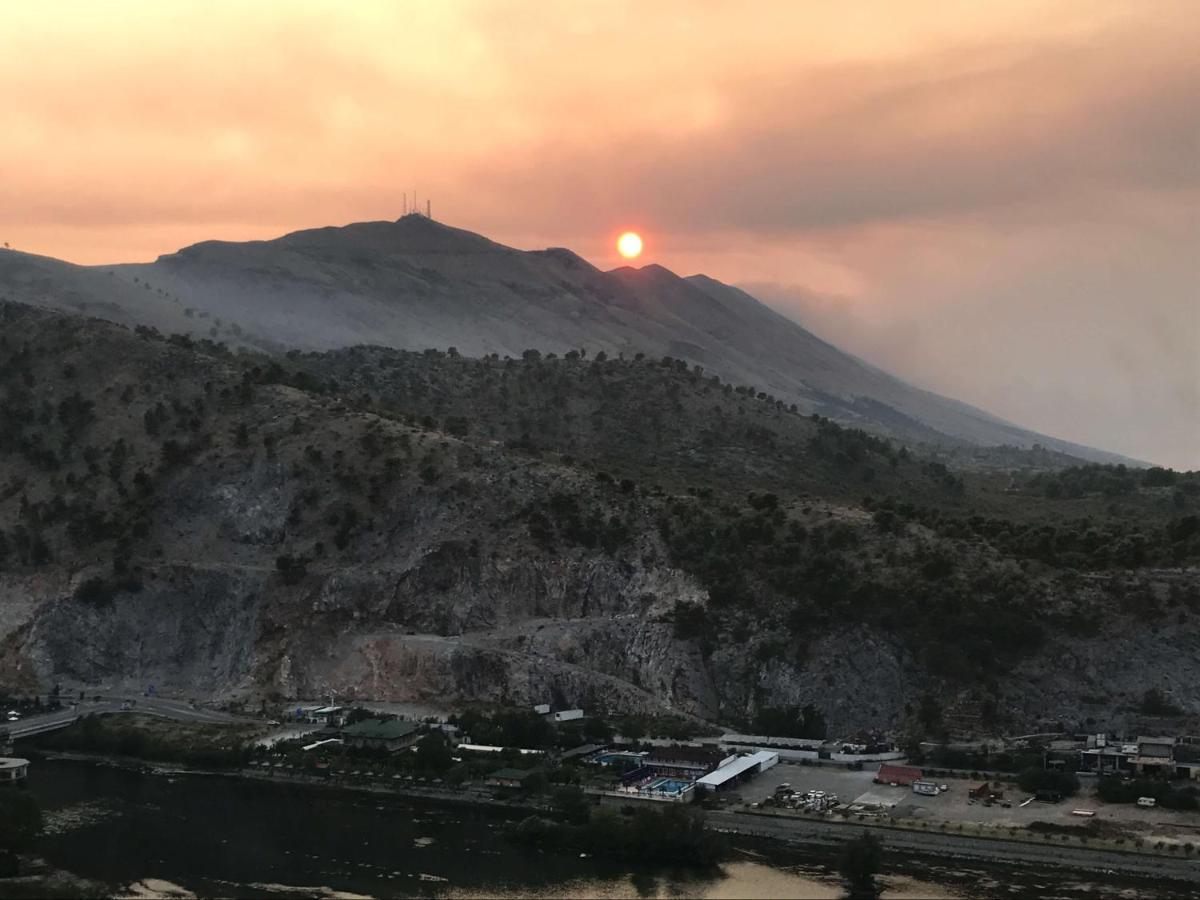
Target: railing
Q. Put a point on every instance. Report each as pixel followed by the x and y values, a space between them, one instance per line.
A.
pixel 34 728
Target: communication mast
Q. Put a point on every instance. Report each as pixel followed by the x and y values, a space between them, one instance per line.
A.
pixel 415 208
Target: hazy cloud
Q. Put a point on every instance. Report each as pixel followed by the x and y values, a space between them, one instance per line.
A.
pixel 995 201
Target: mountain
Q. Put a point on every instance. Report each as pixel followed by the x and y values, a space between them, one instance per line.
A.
pixel 629 535
pixel 415 284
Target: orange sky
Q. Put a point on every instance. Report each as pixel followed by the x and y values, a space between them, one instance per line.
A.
pixel 996 200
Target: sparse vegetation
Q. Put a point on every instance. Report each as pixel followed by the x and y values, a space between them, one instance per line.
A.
pixel 20 819
pixel 1155 703
pixel 1165 794
pixel 757 531
pixel 1036 779
pixel 150 738
pixel 858 865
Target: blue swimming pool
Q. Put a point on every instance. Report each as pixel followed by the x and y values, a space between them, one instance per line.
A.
pixel 669 786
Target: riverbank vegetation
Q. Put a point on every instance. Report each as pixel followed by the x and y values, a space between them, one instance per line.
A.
pixel 20 823
pixel 155 740
pixel 1033 780
pixel 858 865
pixel 672 834
pixel 20 819
pixel 1164 794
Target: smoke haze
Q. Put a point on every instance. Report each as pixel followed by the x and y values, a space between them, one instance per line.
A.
pixel 996 203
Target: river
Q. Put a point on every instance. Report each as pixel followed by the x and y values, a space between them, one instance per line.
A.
pixel 222 836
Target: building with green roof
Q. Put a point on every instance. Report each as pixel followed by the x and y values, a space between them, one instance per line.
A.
pixel 385 734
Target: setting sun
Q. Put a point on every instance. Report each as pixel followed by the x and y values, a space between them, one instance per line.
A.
pixel 629 245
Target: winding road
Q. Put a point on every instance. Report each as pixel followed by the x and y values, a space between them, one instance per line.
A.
pixel 178 710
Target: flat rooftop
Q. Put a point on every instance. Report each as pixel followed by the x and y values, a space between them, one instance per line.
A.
pixel 381 729
pixel 684 754
pixel 739 766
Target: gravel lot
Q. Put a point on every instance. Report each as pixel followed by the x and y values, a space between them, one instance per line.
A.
pixel 956 806
pixel 841 781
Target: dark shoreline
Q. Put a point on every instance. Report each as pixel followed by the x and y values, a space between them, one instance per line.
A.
pixel 917 854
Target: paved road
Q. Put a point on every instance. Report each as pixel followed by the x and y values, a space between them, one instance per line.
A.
pixel 1098 862
pixel 48 721
pixel 178 710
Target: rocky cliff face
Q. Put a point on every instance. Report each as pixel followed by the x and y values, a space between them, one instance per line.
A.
pixel 415 573
pixel 230 527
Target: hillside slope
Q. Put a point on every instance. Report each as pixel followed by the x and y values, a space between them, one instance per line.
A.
pixel 622 534
pixel 415 284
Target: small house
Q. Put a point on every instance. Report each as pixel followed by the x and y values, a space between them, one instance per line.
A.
pixel 511 778
pixel 1155 756
pixel 1105 760
pixel 334 716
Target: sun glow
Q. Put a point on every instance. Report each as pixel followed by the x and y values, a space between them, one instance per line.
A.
pixel 629 245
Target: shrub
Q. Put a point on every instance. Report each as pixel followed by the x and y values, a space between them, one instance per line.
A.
pixel 94 591
pixel 20 819
pixel 1154 703
pixel 292 569
pixel 1035 779
pixel 858 865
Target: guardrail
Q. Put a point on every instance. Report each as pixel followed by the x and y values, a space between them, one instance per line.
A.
pixel 34 728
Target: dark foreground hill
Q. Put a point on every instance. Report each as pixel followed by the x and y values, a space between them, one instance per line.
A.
pixel 622 534
pixel 415 284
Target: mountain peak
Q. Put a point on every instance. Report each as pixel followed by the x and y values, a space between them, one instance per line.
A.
pixel 649 274
pixel 410 234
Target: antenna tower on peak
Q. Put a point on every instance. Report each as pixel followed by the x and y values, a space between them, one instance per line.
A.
pixel 414 209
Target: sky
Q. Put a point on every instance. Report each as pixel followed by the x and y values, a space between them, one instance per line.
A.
pixel 999 201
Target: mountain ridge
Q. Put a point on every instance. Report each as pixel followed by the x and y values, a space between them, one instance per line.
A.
pixel 414 283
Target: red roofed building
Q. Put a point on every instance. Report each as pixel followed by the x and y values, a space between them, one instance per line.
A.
pixel 903 775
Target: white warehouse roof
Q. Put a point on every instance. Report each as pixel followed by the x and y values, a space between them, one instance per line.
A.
pixel 737 767
pixel 489 748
